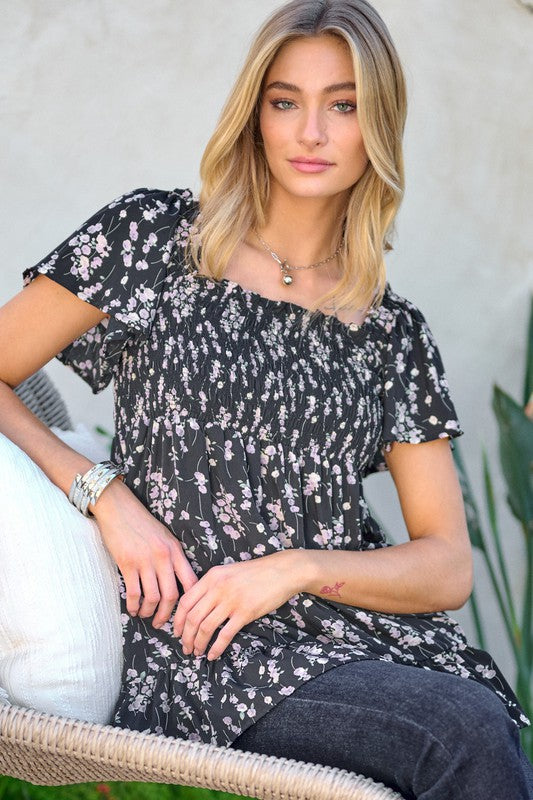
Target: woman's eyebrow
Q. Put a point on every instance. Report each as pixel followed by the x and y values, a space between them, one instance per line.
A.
pixel 290 87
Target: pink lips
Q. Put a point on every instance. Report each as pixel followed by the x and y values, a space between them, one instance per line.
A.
pixel 310 164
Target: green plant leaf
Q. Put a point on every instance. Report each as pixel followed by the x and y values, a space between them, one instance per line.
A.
pixel 528 381
pixel 478 622
pixel 471 511
pixel 478 540
pixel 497 539
pixel 516 454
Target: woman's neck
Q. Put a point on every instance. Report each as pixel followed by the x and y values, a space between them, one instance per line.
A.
pixel 302 230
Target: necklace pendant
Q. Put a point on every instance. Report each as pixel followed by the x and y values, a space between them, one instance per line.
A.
pixel 286 278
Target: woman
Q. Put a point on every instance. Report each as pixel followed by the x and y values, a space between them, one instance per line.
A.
pixel 245 425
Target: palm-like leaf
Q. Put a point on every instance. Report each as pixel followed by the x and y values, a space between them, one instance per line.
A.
pixel 516 455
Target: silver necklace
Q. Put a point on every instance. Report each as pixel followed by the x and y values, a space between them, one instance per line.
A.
pixel 287 279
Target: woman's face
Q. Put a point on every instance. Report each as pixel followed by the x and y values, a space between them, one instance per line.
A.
pixel 308 111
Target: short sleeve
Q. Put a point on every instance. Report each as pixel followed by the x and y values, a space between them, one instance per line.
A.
pixel 118 260
pixel 417 406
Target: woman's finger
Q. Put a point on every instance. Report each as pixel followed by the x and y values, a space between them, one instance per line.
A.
pixel 151 593
pixel 230 629
pixel 201 622
pixel 133 590
pixel 182 568
pixel 207 630
pixel 169 593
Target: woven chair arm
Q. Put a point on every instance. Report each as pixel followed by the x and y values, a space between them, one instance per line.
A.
pixel 45 749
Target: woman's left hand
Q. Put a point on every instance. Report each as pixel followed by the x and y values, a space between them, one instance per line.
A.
pixel 240 593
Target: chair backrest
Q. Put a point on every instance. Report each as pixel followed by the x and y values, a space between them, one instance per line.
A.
pixel 40 395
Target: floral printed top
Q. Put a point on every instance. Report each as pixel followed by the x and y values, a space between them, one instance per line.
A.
pixel 246 433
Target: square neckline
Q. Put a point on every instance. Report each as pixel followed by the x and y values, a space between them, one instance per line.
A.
pixel 271 303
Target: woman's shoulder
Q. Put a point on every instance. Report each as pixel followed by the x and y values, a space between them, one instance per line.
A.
pixel 401 327
pixel 396 303
pixel 153 204
pixel 138 222
pixel 398 313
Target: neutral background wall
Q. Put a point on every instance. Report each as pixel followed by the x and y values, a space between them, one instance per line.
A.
pixel 100 97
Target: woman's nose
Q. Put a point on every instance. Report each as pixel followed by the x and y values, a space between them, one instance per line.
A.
pixel 313 129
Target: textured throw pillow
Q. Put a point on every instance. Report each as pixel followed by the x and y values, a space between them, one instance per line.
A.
pixel 60 625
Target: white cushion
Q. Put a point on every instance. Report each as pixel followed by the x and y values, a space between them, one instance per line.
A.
pixel 60 624
pixel 4 698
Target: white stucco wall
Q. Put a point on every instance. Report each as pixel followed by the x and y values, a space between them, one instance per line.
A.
pixel 102 97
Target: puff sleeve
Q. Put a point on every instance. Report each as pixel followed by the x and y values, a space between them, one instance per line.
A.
pixel 417 406
pixel 118 261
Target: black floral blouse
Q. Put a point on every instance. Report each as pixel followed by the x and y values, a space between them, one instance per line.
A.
pixel 245 433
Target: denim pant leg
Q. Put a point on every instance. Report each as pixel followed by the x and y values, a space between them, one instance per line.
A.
pixel 528 770
pixel 427 734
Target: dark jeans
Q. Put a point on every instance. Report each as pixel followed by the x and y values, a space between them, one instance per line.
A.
pixel 429 735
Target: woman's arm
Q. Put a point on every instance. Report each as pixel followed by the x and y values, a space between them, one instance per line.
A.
pixel 35 325
pixel 431 572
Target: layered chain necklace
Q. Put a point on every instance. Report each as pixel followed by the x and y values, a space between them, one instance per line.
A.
pixel 287 279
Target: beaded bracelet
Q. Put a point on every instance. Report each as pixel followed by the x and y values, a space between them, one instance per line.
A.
pixel 87 488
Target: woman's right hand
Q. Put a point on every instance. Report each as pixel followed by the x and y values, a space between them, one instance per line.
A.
pixel 148 555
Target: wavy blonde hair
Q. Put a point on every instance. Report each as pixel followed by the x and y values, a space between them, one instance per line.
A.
pixel 234 171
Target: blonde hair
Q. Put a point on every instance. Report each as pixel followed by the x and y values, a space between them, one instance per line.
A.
pixel 234 170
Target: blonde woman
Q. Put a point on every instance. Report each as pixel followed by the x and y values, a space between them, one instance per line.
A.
pixel 262 366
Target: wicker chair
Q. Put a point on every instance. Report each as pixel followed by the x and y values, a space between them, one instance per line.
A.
pixel 45 749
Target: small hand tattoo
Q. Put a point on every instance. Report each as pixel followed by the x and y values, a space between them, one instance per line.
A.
pixel 332 591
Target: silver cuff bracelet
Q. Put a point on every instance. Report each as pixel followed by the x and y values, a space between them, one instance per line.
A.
pixel 87 488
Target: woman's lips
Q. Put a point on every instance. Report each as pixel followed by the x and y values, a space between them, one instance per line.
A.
pixel 306 166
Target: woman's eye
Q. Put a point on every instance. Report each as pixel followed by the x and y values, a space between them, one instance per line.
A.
pixel 276 103
pixel 348 106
